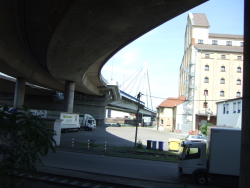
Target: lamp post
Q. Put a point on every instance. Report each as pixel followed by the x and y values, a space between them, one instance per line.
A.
pixel 137 117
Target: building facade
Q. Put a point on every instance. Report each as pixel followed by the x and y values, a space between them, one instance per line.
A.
pixel 229 113
pixel 211 70
pixel 167 114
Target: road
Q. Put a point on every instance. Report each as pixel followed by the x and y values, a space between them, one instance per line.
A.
pixel 125 167
pixel 121 136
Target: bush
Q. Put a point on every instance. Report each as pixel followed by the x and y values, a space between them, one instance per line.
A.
pixel 24 139
pixel 204 128
pixel 139 145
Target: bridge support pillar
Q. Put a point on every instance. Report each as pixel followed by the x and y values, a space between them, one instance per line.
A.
pixel 19 93
pixel 69 96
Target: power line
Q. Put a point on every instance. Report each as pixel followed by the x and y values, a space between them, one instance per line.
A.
pixel 188 100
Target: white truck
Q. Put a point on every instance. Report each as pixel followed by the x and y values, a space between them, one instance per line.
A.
pixel 218 158
pixel 87 122
pixel 70 121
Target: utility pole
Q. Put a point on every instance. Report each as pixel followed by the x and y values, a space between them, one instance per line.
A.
pixel 137 117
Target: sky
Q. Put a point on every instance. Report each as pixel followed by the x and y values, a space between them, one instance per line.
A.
pixel 162 50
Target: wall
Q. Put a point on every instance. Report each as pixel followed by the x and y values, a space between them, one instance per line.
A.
pixel 47 103
pixel 231 118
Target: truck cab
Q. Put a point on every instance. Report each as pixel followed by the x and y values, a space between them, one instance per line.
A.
pixel 87 122
pixel 193 161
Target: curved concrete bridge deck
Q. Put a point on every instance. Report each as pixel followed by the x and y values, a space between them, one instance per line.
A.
pixel 49 42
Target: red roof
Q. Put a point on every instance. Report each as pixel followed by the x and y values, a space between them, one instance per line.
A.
pixel 172 102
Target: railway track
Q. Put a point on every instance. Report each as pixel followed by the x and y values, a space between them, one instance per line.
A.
pixel 69 181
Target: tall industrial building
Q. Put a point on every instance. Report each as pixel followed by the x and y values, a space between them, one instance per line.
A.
pixel 211 71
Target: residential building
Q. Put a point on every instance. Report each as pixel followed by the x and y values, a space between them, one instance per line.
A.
pixel 167 113
pixel 211 70
pixel 229 113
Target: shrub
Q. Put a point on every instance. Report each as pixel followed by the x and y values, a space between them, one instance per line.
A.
pixel 24 139
pixel 139 145
pixel 204 128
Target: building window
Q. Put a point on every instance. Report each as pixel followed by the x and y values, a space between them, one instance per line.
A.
pixel 239 57
pixel 239 82
pixel 242 44
pixel 214 42
pixel 227 108
pixel 162 121
pixel 200 41
pixel 206 80
pixel 206 67
pixel 238 94
pixel 229 43
pixel 239 69
pixel 205 105
pixel 222 93
pixel 222 81
pixel 239 107
pixel 207 55
pixel 222 69
pixel 223 56
pixel 234 107
pixel 206 92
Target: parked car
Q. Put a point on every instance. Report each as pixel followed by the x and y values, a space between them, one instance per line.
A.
pixel 196 138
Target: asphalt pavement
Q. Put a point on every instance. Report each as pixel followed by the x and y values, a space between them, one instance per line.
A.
pixel 161 174
pixel 121 136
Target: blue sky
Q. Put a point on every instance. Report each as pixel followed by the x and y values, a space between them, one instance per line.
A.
pixel 163 48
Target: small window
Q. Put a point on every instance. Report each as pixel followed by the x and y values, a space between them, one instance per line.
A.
pixel 239 107
pixel 206 92
pixel 242 44
pixel 234 107
pixel 224 108
pixel 214 42
pixel 239 57
pixel 200 41
pixel 205 105
pixel 207 56
pixel 222 69
pixel 239 69
pixel 206 80
pixel 162 121
pixel 206 67
pixel 229 43
pixel 222 93
pixel 223 56
pixel 192 153
pixel 222 81
pixel 239 82
pixel 238 94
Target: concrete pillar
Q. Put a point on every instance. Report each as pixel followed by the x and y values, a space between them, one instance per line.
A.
pixel 69 96
pixel 245 141
pixel 19 93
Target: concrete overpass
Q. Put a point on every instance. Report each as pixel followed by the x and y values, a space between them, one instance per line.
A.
pixel 129 104
pixel 63 45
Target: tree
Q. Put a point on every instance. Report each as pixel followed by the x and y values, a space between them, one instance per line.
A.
pixel 24 139
pixel 204 128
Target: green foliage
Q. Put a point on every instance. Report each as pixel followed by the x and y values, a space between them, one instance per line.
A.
pixel 139 144
pixel 204 128
pixel 92 143
pixel 24 138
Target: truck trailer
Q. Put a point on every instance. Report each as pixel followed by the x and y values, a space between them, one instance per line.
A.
pixel 219 157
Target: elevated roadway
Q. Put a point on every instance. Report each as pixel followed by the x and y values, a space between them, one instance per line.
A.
pixel 50 42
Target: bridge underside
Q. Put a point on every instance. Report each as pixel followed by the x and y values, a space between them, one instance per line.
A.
pixel 48 42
